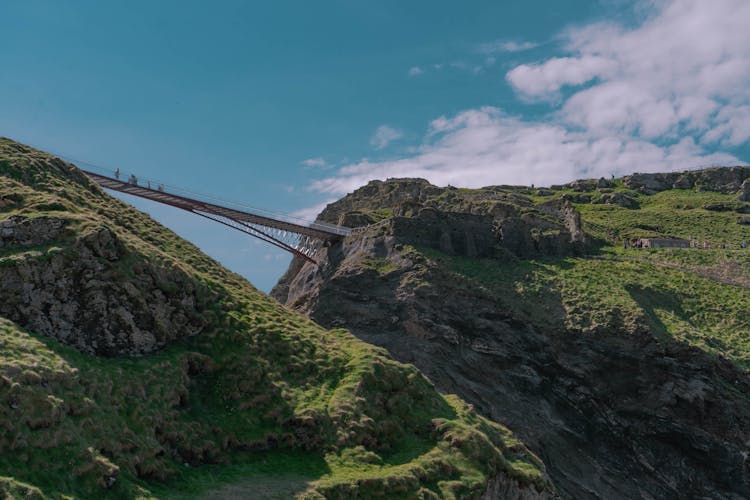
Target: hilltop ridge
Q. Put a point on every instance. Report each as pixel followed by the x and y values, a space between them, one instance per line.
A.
pixel 624 369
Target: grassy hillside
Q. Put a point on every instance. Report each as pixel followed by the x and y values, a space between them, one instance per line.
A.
pixel 677 213
pixel 632 293
pixel 262 400
pixel 698 296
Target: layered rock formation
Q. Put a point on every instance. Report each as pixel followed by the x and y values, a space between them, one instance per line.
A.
pixel 618 414
pixel 727 180
pixel 94 293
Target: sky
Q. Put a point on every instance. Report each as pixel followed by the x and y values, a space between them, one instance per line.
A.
pixel 289 105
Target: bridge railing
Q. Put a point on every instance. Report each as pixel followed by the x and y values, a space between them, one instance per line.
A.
pixel 127 177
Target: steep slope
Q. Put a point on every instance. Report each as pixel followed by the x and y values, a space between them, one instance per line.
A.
pixel 229 391
pixel 625 370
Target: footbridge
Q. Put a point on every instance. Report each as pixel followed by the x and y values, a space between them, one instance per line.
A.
pixel 289 233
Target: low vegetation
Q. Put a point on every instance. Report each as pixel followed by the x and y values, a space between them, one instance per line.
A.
pixel 263 400
pixel 697 296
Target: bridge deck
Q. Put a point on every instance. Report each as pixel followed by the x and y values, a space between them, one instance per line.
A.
pixel 325 232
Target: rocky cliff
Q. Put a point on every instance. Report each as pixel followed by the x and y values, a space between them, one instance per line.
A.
pixel 134 366
pixel 93 292
pixel 618 372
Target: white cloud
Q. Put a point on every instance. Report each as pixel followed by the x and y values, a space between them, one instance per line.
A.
pixel 310 213
pixel 474 69
pixel 314 162
pixel 481 147
pixel 544 80
pixel 733 127
pixel 506 46
pixel 660 96
pixel 685 69
pixel 384 135
pixel 415 71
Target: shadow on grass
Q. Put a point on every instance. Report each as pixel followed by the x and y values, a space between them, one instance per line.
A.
pixel 651 300
pixel 276 474
pixel 261 474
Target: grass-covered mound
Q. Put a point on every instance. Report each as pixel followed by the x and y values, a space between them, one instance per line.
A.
pixel 701 297
pixel 681 213
pixel 260 400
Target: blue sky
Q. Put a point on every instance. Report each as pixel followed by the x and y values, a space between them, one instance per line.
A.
pixel 288 104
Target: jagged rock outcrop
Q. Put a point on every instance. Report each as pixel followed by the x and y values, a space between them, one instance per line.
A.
pixel 22 231
pixel 727 180
pixel 490 222
pixel 95 294
pixel 620 199
pixel 616 414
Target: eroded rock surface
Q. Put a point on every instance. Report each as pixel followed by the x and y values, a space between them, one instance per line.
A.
pixel 727 180
pixel 494 220
pixel 23 231
pixel 94 294
pixel 613 415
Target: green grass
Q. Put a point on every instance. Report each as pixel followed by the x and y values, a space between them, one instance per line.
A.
pixel 381 266
pixel 262 396
pixel 674 213
pixel 699 297
pixel 629 292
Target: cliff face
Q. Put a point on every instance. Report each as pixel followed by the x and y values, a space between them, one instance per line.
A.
pixel 463 222
pixel 480 290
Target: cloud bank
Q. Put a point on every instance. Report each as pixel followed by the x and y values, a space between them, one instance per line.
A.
pixel 485 146
pixel 685 70
pixel 664 95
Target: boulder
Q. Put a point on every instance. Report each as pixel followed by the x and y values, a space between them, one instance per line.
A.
pixel 620 199
pixel 576 198
pixel 584 185
pixel 683 182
